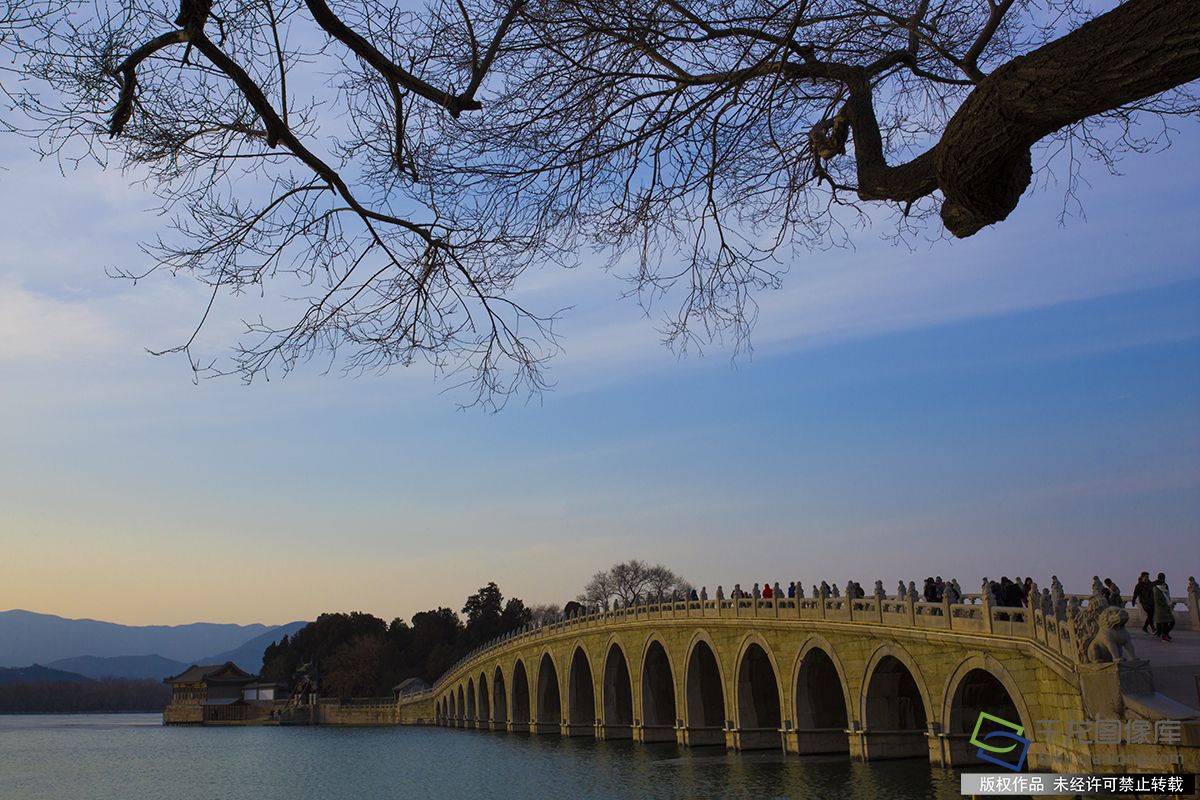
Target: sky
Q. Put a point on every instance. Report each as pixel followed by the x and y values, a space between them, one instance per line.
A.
pixel 1026 401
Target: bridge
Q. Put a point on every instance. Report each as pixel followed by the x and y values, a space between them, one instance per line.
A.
pixel 872 677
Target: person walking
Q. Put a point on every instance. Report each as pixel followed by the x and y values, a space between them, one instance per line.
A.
pixel 1143 593
pixel 1164 617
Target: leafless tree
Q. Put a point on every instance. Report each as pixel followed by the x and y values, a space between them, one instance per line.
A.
pixel 598 592
pixel 632 582
pixel 629 580
pixel 545 614
pixel 453 146
pixel 663 583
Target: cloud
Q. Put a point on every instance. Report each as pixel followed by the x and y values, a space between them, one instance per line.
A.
pixel 35 326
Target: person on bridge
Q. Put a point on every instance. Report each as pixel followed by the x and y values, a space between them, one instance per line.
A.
pixel 929 591
pixel 1164 617
pixel 766 592
pixel 1143 593
pixel 1113 593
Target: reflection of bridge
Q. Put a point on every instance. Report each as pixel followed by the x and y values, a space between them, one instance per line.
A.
pixel 873 677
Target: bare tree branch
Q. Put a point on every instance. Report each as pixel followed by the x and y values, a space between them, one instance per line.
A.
pixel 697 145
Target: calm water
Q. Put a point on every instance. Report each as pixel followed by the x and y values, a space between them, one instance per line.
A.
pixel 132 756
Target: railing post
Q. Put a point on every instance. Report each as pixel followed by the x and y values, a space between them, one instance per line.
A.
pixel 1193 601
pixel 985 601
pixel 1069 621
pixel 1031 603
pixel 946 611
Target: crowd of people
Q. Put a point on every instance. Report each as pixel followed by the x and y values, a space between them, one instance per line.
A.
pixel 1153 596
pixel 1013 592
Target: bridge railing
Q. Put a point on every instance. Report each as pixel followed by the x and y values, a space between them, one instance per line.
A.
pixel 1051 629
pixel 366 702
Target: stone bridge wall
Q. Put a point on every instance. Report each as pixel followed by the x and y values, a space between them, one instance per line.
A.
pixel 871 677
pixel 332 712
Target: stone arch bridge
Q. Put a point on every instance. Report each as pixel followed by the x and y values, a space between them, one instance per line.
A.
pixel 872 677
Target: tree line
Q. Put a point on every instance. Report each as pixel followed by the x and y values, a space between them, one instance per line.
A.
pixel 107 694
pixel 361 655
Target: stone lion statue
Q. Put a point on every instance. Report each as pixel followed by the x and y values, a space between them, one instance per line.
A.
pixel 1101 635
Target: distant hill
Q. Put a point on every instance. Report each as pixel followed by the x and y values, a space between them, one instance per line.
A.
pixel 153 667
pixel 40 674
pixel 30 638
pixel 249 655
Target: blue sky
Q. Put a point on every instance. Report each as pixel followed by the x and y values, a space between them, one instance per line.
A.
pixel 1025 401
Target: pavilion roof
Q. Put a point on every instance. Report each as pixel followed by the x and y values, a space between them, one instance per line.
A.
pixel 228 672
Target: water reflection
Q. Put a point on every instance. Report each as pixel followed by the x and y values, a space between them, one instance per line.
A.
pixel 130 757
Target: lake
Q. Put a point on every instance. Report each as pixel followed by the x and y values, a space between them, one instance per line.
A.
pixel 133 757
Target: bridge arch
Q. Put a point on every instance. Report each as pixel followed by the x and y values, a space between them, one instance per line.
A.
pixel 485 705
pixel 462 707
pixel 548 697
pixel 979 683
pixel 522 714
pixel 581 692
pixel 818 667
pixel 470 702
pixel 617 691
pixel 499 698
pixel 657 691
pixel 895 695
pixel 704 684
pixel 821 698
pixel 759 695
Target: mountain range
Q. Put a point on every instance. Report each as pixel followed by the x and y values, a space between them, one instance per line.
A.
pixel 98 649
pixel 37 674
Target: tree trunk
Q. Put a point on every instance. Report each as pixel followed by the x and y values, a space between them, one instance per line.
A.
pixel 1137 50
